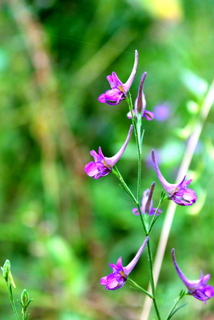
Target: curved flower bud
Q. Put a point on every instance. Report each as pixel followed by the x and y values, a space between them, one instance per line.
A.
pixel 101 166
pixel 176 192
pixel 197 288
pixel 118 89
pixel 146 203
pixel 118 277
pixel 140 103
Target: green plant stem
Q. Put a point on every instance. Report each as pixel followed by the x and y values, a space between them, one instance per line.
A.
pixel 172 311
pixel 24 313
pixel 123 184
pixel 152 279
pixel 9 287
pixel 136 286
pixel 137 125
pixel 139 139
pixel 155 216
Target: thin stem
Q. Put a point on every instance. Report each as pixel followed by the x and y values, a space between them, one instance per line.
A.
pixel 137 124
pixel 139 154
pixel 123 184
pixel 24 313
pixel 172 311
pixel 142 219
pixel 9 287
pixel 139 138
pixel 136 286
pixel 152 279
pixel 155 216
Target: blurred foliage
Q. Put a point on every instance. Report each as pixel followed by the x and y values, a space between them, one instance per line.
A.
pixel 59 228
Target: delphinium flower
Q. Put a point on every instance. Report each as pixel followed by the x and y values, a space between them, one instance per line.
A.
pixel 179 193
pixel 118 90
pixel 118 277
pixel 101 166
pixel 146 203
pixel 140 103
pixel 197 288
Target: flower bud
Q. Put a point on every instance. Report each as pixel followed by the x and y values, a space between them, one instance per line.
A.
pixel 7 275
pixel 24 298
pixel 6 270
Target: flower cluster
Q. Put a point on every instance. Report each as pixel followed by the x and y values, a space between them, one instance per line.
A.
pixel 178 192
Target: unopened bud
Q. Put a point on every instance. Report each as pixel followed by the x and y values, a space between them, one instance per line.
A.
pixel 7 275
pixel 6 270
pixel 24 298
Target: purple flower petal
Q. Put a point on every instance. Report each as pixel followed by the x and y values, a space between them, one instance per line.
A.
pixel 197 288
pixel 140 103
pixel 102 165
pixel 134 261
pixel 146 203
pixel 119 275
pixel 118 89
pixel 113 160
pixel 176 192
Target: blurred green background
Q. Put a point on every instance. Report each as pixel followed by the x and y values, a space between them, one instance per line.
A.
pixel 59 228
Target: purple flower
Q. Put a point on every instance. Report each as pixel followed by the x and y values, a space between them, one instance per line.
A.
pixel 197 288
pixel 176 192
pixel 118 277
pixel 118 89
pixel 140 103
pixel 101 166
pixel 146 203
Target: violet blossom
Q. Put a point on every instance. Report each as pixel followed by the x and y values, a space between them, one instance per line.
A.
pixel 102 166
pixel 146 203
pixel 197 288
pixel 140 103
pixel 118 277
pixel 179 193
pixel 118 90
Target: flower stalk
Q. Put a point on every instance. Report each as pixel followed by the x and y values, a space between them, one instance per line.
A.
pixel 25 300
pixel 7 275
pixel 179 192
pixel 174 308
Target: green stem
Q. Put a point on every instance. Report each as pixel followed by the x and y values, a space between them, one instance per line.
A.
pixel 123 184
pixel 136 286
pixel 173 311
pixel 9 287
pixel 139 138
pixel 139 154
pixel 155 216
pixel 137 124
pixel 152 279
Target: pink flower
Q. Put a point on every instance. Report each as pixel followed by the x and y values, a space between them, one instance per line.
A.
pixel 197 288
pixel 101 166
pixel 179 193
pixel 118 277
pixel 118 89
